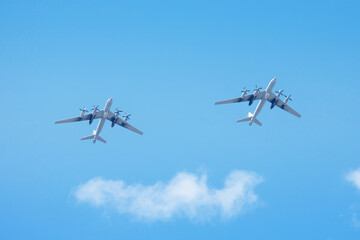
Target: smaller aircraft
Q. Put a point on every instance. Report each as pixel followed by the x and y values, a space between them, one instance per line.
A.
pixel 104 115
pixel 263 96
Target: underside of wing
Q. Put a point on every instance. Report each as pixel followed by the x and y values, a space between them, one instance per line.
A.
pixel 272 97
pixel 120 122
pixel 250 97
pixel 111 117
pixel 286 107
pixel 83 118
pixel 259 95
pixel 131 128
pixel 75 119
pixel 235 100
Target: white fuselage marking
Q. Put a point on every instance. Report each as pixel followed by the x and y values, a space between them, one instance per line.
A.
pixel 102 119
pixel 263 100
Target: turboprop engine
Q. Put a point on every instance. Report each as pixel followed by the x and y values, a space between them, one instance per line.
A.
pixel 276 99
pixel 251 100
pixel 126 117
pixel 116 115
pixel 253 97
pixel 287 99
pixel 83 110
pixel 95 109
pixel 244 92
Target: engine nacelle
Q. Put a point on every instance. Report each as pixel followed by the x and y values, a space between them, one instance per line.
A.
pixel 114 119
pixel 251 100
pixel 287 99
pixel 273 103
pixel 91 120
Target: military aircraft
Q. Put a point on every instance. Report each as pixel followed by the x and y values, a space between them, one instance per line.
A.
pixel 104 114
pixel 263 96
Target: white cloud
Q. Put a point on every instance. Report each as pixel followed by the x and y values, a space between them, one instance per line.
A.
pixel 184 195
pixel 355 221
pixel 354 177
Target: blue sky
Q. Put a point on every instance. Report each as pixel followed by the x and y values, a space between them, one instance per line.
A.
pixel 167 63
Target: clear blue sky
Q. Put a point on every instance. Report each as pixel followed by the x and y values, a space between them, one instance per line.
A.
pixel 167 62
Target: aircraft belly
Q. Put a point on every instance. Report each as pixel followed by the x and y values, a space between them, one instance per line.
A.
pixel 100 126
pixel 259 107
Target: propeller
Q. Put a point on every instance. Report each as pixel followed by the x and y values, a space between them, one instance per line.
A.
pixel 83 109
pixel 288 98
pixel 245 90
pixel 127 116
pixel 95 108
pixel 257 89
pixel 280 92
pixel 117 111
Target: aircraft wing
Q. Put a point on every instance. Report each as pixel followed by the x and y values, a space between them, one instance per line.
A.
pixel 243 99
pixel 85 117
pixel 283 106
pixel 121 122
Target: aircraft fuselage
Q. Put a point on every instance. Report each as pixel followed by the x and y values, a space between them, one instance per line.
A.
pixel 103 119
pixel 262 102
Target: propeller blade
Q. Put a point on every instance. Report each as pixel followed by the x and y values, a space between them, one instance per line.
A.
pixel 95 107
pixel 118 110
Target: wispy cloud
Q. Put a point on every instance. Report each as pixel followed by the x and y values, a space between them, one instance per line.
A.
pixel 354 178
pixel 184 195
pixel 355 221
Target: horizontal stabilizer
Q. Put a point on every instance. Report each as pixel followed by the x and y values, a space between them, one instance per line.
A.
pixel 244 120
pixel 250 119
pixel 92 137
pixel 101 139
pixel 88 137
pixel 257 122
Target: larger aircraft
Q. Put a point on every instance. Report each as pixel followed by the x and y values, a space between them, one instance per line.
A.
pixel 104 114
pixel 264 96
